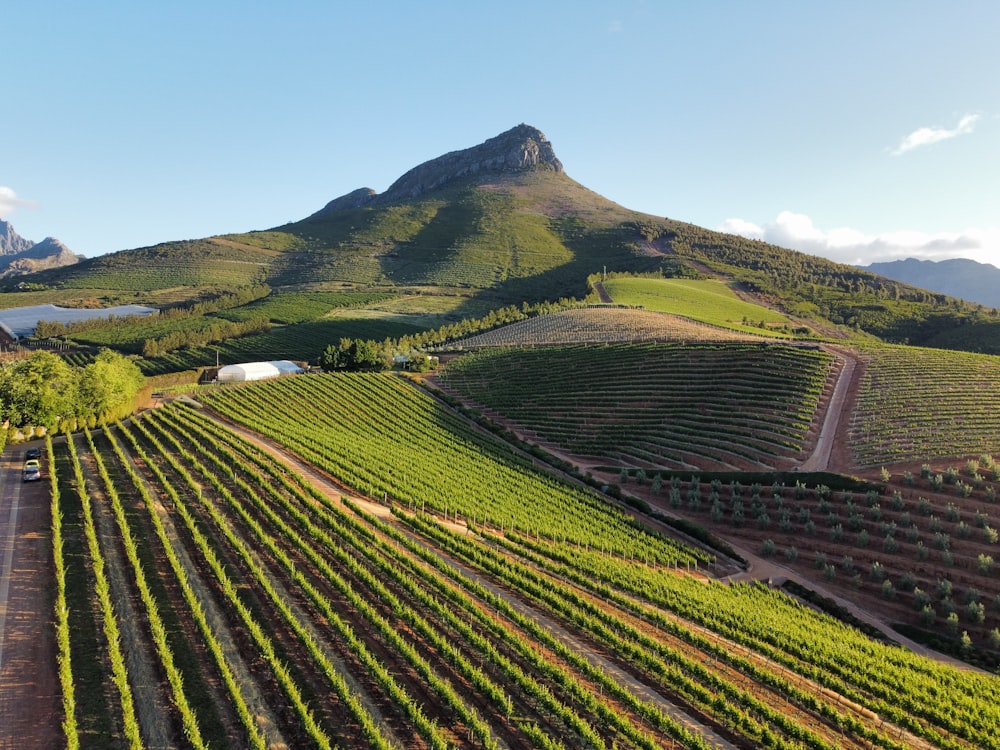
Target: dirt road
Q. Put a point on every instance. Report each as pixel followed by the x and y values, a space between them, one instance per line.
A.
pixel 820 458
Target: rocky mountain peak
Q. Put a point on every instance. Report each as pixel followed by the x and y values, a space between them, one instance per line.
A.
pixel 11 243
pixel 520 149
pixel 19 256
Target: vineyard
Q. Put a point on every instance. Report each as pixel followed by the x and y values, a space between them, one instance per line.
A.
pixel 920 404
pixel 705 300
pixel 921 553
pixel 600 325
pixel 288 308
pixel 213 593
pixel 678 406
pixel 300 342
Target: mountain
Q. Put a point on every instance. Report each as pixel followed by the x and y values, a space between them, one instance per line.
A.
pixel 957 277
pixel 11 243
pixel 520 149
pixel 20 256
pixel 502 223
pixel 49 253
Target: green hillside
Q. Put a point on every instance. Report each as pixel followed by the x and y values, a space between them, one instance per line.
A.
pixel 720 406
pixel 705 300
pixel 502 235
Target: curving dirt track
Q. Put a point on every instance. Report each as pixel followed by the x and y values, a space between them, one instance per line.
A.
pixel 30 710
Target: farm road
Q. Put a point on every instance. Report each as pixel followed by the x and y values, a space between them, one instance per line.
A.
pixel 29 688
pixel 333 489
pixel 820 458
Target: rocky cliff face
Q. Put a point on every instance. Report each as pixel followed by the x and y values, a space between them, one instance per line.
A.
pixel 11 243
pixel 520 149
pixel 19 256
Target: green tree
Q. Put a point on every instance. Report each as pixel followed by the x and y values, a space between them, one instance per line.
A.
pixel 352 355
pixel 108 383
pixel 38 390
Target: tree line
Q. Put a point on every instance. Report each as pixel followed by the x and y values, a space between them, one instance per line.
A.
pixel 51 328
pixel 44 390
pixel 358 355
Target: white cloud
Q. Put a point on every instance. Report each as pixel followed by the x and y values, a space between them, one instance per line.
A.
pixel 846 245
pixel 616 27
pixel 9 202
pixel 926 136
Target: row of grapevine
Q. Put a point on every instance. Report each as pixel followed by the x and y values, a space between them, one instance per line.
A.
pixel 317 548
pixel 600 325
pixel 920 404
pixel 427 457
pixel 804 655
pixel 660 405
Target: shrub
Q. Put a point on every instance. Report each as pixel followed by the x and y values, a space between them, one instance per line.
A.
pixel 984 563
pixel 888 592
pixel 952 623
pixel 994 639
pixel 927 615
pixel 878 571
pixel 943 588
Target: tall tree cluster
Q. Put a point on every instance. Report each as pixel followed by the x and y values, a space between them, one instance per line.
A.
pixel 43 389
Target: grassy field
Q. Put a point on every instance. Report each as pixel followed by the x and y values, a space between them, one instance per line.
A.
pixel 705 300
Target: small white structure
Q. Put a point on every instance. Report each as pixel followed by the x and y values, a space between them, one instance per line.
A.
pixel 257 371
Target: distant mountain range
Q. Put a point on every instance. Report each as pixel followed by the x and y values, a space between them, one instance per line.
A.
pixel 19 256
pixel 958 277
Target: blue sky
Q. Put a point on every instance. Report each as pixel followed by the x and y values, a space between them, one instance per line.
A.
pixel 860 131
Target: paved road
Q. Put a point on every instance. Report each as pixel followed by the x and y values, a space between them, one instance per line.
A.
pixel 10 506
pixel 30 712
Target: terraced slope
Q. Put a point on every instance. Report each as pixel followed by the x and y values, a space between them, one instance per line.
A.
pixel 600 325
pixel 920 404
pixel 672 406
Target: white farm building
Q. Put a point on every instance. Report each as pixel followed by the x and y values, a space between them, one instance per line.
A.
pixel 257 371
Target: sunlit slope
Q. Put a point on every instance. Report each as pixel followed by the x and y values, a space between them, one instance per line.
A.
pixel 677 406
pixel 921 404
pixel 705 300
pixel 191 264
pixel 535 235
pixel 598 324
